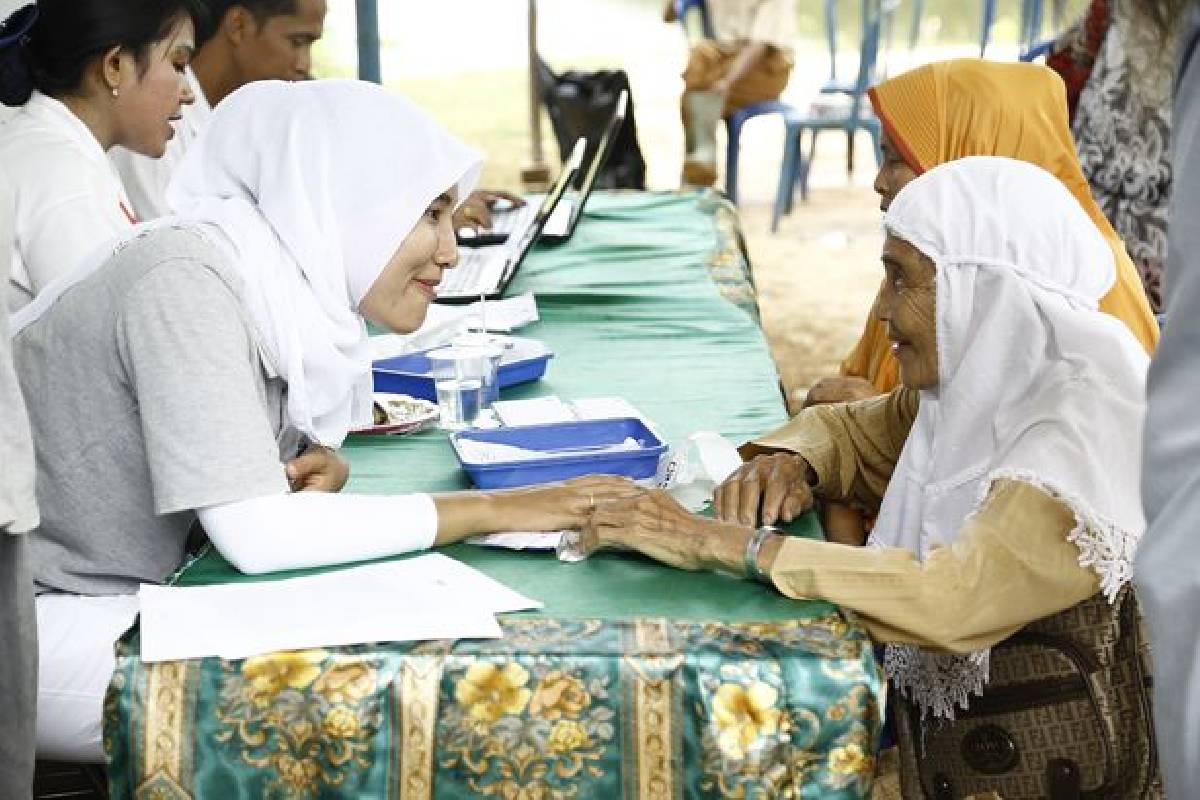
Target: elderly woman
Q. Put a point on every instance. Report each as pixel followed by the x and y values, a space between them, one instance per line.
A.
pixel 171 381
pixel 1013 488
pixel 935 114
pixel 955 109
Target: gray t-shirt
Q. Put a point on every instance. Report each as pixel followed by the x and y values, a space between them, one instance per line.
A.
pixel 152 401
pixel 18 508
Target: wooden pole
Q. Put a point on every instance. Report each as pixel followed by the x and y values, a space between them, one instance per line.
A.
pixel 535 176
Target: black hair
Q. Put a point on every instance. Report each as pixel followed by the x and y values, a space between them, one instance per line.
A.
pixel 63 36
pixel 261 10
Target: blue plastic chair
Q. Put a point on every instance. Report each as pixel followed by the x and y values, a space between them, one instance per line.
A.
pixel 988 19
pixel 833 85
pixel 1036 51
pixel 733 135
pixel 1029 24
pixel 682 7
pixel 735 121
pixel 846 87
pixel 795 167
pixel 914 30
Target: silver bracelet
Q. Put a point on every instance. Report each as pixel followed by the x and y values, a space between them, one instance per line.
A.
pixel 752 550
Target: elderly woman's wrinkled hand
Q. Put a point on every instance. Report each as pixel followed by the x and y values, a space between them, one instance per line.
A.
pixel 775 487
pixel 651 523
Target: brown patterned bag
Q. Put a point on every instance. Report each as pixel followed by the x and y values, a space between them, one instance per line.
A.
pixel 1066 714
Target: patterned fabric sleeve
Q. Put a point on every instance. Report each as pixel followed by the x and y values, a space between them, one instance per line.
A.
pixel 1074 52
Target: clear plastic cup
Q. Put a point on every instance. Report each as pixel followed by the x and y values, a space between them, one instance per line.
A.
pixel 489 348
pixel 461 376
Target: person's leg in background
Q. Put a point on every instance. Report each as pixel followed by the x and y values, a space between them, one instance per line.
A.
pixel 706 99
pixel 701 109
pixel 18 668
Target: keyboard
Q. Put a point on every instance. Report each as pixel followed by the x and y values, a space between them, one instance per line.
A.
pixel 504 222
pixel 478 272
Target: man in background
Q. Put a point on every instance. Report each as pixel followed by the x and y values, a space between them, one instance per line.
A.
pixel 749 61
pixel 241 41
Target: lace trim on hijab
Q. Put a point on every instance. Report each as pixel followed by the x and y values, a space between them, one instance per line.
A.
pixel 940 683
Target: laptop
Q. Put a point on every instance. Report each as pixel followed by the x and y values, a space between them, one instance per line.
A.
pixel 486 271
pixel 562 222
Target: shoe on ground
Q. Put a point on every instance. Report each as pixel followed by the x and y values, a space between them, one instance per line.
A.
pixel 699 173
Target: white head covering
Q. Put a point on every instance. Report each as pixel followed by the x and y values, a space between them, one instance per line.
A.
pixel 1035 384
pixel 310 187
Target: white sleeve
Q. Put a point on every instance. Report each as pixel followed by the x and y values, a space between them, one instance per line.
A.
pixel 315 529
pixel 53 240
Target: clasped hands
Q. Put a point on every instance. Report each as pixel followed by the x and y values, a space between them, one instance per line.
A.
pixel 773 488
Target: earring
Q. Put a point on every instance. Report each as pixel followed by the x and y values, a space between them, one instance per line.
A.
pixel 116 92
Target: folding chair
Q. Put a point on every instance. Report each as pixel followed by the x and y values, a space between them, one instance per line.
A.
pixel 854 117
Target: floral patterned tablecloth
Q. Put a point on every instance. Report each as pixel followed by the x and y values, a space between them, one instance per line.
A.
pixel 633 681
pixel 587 708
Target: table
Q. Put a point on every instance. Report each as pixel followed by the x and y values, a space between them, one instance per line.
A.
pixel 635 680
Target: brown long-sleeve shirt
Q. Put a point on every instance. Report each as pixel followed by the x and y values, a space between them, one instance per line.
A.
pixel 1010 565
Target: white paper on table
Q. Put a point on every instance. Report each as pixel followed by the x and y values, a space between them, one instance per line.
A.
pixel 444 322
pixel 611 408
pixel 519 540
pixel 428 597
pixel 693 471
pixel 534 411
pixel 477 452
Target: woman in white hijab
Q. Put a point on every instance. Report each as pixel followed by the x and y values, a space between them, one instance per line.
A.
pixel 1013 489
pixel 177 373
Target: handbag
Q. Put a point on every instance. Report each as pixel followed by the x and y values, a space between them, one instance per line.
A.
pixel 1066 715
pixel 581 104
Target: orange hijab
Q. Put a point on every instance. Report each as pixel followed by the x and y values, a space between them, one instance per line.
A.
pixel 968 107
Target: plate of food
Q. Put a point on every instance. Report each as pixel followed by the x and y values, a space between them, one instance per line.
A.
pixel 399 413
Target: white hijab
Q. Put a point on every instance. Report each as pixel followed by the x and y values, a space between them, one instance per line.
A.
pixel 1035 384
pixel 310 188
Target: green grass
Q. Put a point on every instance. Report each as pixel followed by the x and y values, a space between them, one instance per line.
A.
pixel 489 111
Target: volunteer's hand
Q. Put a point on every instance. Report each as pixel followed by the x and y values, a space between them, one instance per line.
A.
pixel 476 210
pixel 559 506
pixel 772 487
pixel 839 389
pixel 318 469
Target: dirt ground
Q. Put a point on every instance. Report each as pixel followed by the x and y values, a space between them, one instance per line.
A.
pixel 816 280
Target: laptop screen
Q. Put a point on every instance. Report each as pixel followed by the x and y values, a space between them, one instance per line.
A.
pixel 518 245
pixel 607 141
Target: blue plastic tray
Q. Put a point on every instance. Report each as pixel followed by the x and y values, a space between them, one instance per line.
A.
pixel 640 463
pixel 409 374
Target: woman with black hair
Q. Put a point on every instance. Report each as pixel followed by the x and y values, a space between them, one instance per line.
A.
pixel 88 75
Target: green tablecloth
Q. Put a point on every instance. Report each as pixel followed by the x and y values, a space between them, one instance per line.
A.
pixel 634 680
